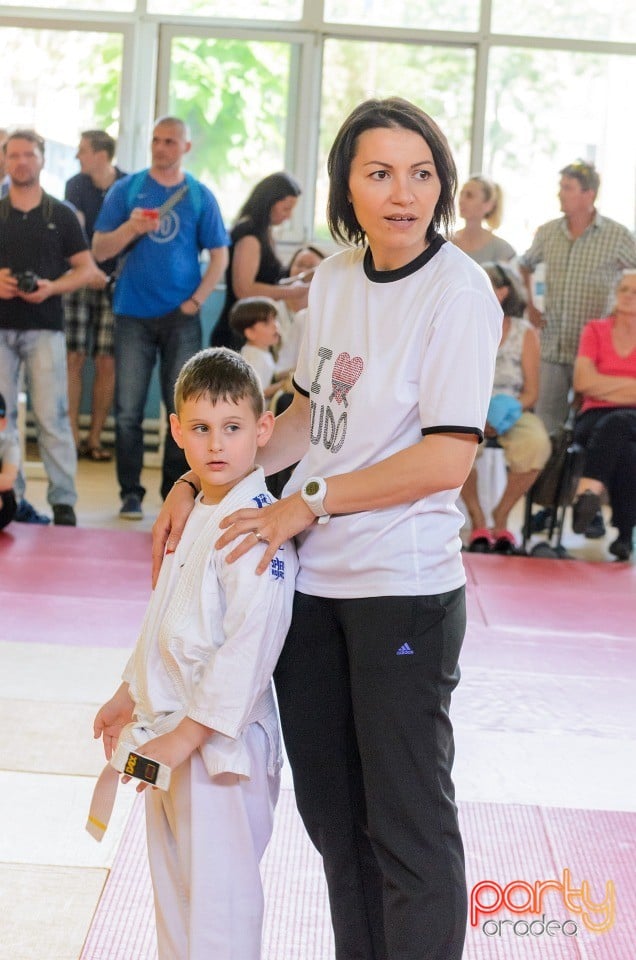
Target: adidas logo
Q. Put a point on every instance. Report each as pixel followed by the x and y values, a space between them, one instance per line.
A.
pixel 404 649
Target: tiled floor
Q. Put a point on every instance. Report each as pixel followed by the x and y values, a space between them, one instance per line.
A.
pixel 544 719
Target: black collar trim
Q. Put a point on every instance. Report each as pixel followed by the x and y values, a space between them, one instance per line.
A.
pixel 389 276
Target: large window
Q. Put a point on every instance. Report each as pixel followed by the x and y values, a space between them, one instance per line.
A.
pixel 425 15
pixel 247 9
pixel 520 90
pixel 546 109
pixel 234 94
pixel 60 83
pixel 585 19
pixel 438 79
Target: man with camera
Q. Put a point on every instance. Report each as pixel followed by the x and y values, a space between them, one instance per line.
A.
pixel 43 254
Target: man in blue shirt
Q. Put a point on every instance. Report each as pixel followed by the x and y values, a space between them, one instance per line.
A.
pixel 159 220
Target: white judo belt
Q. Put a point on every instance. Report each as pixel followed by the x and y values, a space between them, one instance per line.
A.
pixel 129 761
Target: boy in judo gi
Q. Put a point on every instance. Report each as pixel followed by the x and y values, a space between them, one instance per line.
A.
pixel 197 692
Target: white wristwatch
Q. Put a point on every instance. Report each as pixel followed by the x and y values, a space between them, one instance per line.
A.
pixel 313 492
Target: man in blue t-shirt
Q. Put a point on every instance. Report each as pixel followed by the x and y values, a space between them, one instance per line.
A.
pixel 159 220
pixel 88 313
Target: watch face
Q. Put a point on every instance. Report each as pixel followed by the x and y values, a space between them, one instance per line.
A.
pixel 312 488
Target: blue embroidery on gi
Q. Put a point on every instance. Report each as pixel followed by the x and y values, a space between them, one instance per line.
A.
pixel 277 568
pixel 262 499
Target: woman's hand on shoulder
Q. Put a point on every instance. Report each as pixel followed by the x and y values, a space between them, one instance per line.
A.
pixel 271 525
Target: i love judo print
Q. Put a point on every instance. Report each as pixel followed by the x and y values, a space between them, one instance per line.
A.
pixel 334 379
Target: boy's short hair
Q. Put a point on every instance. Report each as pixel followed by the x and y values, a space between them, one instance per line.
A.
pixel 220 374
pixel 251 310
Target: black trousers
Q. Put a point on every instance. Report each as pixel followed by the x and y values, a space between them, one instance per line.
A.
pixel 364 690
pixel 609 438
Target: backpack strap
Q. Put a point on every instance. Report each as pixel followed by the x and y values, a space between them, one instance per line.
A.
pixel 134 186
pixel 137 181
pixel 196 194
pixel 48 203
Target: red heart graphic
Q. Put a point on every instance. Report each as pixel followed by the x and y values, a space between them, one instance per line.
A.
pixel 346 372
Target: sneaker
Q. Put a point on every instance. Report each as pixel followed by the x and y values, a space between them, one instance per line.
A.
pixel 131 508
pixel 621 548
pixel 584 510
pixel 64 515
pixel 596 529
pixel 541 520
pixel 26 513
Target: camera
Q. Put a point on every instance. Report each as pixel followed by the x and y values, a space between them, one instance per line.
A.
pixel 27 281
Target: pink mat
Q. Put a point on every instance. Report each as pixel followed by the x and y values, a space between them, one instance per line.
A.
pixel 504 844
pixel 73 586
pixel 532 625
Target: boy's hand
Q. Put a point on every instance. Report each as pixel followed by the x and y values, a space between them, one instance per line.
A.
pixel 271 525
pixel 174 747
pixel 112 718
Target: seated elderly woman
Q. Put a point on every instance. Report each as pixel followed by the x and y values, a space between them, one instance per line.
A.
pixel 519 432
pixel 605 376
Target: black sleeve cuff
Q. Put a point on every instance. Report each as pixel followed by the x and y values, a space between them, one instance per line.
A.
pixel 474 431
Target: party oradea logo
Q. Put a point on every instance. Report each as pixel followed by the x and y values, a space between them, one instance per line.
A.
pixel 489 900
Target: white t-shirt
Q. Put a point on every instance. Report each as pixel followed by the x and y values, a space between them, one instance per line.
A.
pixel 388 357
pixel 292 326
pixel 262 361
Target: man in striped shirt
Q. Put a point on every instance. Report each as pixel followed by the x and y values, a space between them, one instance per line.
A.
pixel 583 253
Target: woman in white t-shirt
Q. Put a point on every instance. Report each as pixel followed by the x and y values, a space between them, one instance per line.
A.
pixel 391 391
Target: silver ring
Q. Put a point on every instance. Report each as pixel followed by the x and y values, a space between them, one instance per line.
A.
pixel 260 537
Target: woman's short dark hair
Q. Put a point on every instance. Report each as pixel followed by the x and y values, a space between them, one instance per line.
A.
pixel 503 275
pixel 394 112
pixel 258 206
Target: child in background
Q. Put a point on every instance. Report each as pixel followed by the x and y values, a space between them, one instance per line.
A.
pixel 302 267
pixel 198 683
pixel 9 465
pixel 256 319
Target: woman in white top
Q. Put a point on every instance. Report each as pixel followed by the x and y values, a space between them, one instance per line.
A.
pixel 480 202
pixel 392 387
pixel 525 442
